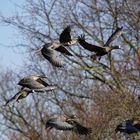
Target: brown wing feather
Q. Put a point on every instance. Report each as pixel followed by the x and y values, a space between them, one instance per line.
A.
pixel 87 46
pixel 42 82
pixel 63 50
pixel 82 130
pixel 78 128
pixel 19 96
pixel 115 35
pixel 58 124
pixel 50 55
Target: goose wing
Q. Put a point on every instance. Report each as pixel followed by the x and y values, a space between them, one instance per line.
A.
pixel 58 124
pixel 137 126
pixel 50 55
pixel 19 95
pixel 78 128
pixel 127 127
pixel 48 88
pixel 115 35
pixel 63 50
pixel 14 98
pixel 65 36
pixel 31 84
pixel 87 46
pixel 42 82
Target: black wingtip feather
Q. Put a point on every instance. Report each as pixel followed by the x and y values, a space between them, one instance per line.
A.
pixel 81 38
pixel 65 36
pixel 82 130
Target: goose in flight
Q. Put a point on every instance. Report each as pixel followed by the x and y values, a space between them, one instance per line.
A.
pixel 128 127
pixel 35 83
pixel 50 54
pixel 101 50
pixel 49 50
pixel 20 95
pixel 67 124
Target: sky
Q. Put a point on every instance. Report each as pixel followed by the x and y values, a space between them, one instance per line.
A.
pixel 9 37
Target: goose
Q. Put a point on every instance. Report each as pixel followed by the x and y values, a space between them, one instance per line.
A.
pixel 101 50
pixel 35 83
pixel 18 96
pixel 49 50
pixel 128 127
pixel 50 54
pixel 67 124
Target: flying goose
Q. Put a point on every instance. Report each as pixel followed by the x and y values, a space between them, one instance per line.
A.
pixel 51 55
pixel 67 124
pixel 101 50
pixel 66 38
pixel 20 95
pixel 128 127
pixel 35 83
pixel 49 50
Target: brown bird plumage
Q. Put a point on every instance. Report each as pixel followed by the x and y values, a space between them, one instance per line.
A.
pixel 67 123
pixel 20 95
pixel 49 50
pixel 101 50
pixel 35 83
pixel 50 54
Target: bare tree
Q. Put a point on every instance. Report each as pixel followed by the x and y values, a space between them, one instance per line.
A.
pixel 102 93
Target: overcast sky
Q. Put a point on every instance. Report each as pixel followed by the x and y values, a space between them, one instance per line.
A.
pixel 9 55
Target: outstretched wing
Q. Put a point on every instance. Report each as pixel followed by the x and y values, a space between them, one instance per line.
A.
pixel 83 130
pixel 87 46
pixel 45 89
pixel 58 124
pixel 42 82
pixel 14 98
pixel 127 127
pixel 115 35
pixel 31 84
pixel 78 128
pixel 18 96
pixel 50 55
pixel 137 126
pixel 63 50
pixel 65 36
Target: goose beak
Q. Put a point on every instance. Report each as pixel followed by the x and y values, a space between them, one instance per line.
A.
pixel 120 47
